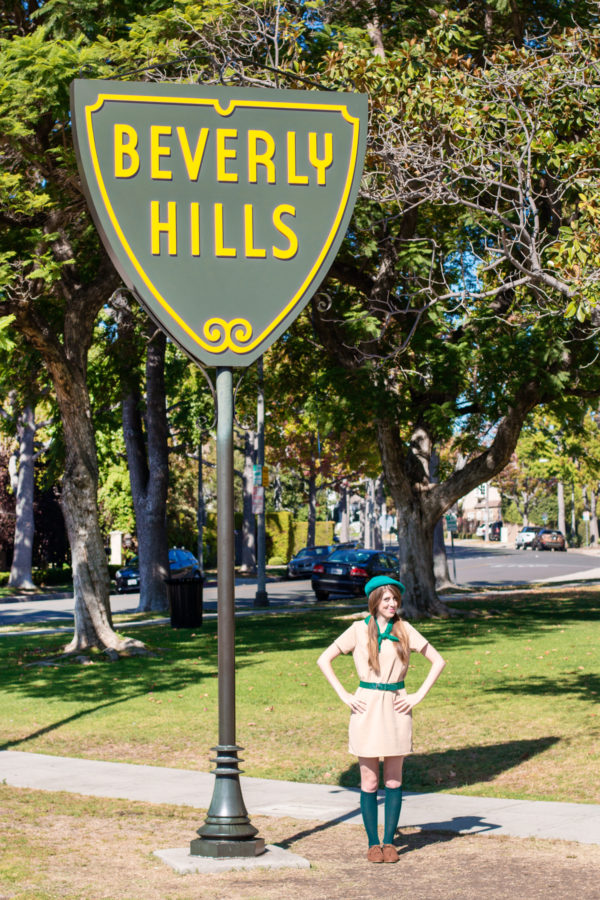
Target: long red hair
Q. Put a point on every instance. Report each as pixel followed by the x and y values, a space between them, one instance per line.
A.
pixel 398 629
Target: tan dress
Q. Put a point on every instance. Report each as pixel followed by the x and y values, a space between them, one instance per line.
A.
pixel 380 730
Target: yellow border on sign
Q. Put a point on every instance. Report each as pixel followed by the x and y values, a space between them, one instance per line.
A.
pixel 240 326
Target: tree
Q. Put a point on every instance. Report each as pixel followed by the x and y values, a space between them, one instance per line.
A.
pixel 22 384
pixel 54 277
pixel 475 235
pixel 146 432
pixel 312 429
pixel 475 238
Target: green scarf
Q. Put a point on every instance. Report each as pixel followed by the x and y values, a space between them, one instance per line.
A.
pixel 383 635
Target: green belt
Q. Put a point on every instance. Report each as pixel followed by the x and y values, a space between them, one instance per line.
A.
pixel 379 686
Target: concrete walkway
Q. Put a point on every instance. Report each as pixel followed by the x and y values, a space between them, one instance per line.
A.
pixel 324 803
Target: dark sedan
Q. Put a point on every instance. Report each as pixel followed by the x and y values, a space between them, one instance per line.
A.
pixel 549 539
pixel 301 565
pixel 182 564
pixel 347 571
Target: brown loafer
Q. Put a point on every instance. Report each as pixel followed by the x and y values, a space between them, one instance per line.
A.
pixel 389 853
pixel 375 854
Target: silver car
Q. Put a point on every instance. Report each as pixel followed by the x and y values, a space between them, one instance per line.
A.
pixel 525 536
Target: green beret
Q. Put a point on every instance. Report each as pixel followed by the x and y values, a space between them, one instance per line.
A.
pixel 381 581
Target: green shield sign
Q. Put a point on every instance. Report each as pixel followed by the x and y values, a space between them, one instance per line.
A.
pixel 222 209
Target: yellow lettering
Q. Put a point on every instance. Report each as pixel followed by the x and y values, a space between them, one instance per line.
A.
pixel 156 151
pixel 320 164
pixel 293 177
pixel 284 209
pixel 224 153
pixel 220 248
pixel 256 159
pixel 169 227
pixel 195 229
pixel 251 251
pixel 126 148
pixel 192 161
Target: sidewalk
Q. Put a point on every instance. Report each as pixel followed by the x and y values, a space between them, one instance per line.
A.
pixel 454 813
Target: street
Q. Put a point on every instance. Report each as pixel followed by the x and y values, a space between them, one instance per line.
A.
pixel 476 566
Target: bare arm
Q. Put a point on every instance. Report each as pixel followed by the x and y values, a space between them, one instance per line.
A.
pixel 405 704
pixel 324 663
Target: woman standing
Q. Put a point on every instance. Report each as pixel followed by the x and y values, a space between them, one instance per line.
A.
pixel 381 720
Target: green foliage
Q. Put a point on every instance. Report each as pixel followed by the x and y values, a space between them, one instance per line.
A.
pixel 115 501
pixel 276 561
pixel 279 534
pixel 286 536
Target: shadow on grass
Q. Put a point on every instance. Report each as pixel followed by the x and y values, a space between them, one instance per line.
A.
pixel 47 729
pixel 452 769
pixel 579 684
pixel 185 656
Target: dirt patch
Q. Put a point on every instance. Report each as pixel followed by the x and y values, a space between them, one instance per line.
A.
pixel 64 846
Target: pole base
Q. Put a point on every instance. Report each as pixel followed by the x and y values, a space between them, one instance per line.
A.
pixel 227 831
pixel 261 600
pixel 226 849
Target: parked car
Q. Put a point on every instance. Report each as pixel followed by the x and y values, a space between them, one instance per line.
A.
pixel 495 530
pixel 525 536
pixel 301 565
pixel 182 564
pixel 549 539
pixel 347 571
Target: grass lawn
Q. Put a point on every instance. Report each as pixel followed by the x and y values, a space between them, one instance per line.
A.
pixel 515 713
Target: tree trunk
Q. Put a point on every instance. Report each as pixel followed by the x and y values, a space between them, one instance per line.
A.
pixel 369 515
pixel 594 537
pixel 345 515
pixel 379 513
pixel 420 503
pixel 66 361
pixel 560 498
pixel 200 510
pixel 415 557
pixel 277 490
pixel 440 559
pixel 441 572
pixel 249 519
pixel 148 461
pixel 20 572
pixel 312 509
pixel 93 621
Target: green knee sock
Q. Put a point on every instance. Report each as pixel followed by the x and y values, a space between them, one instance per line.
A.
pixel 368 808
pixel 393 805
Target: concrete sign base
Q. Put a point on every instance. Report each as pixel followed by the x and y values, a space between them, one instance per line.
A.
pixel 274 857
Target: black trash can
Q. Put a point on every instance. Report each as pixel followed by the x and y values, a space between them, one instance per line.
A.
pixel 185 601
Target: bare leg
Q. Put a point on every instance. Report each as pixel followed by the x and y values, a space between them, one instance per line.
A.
pixel 369 772
pixel 392 771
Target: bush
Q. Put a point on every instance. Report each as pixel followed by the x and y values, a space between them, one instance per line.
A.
pixel 279 534
pixel 276 561
pixel 49 575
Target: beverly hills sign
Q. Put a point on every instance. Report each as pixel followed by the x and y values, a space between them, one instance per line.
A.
pixel 222 209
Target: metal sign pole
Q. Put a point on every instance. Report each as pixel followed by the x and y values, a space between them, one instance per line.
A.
pixel 227 831
pixel 261 598
pixel 453 557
